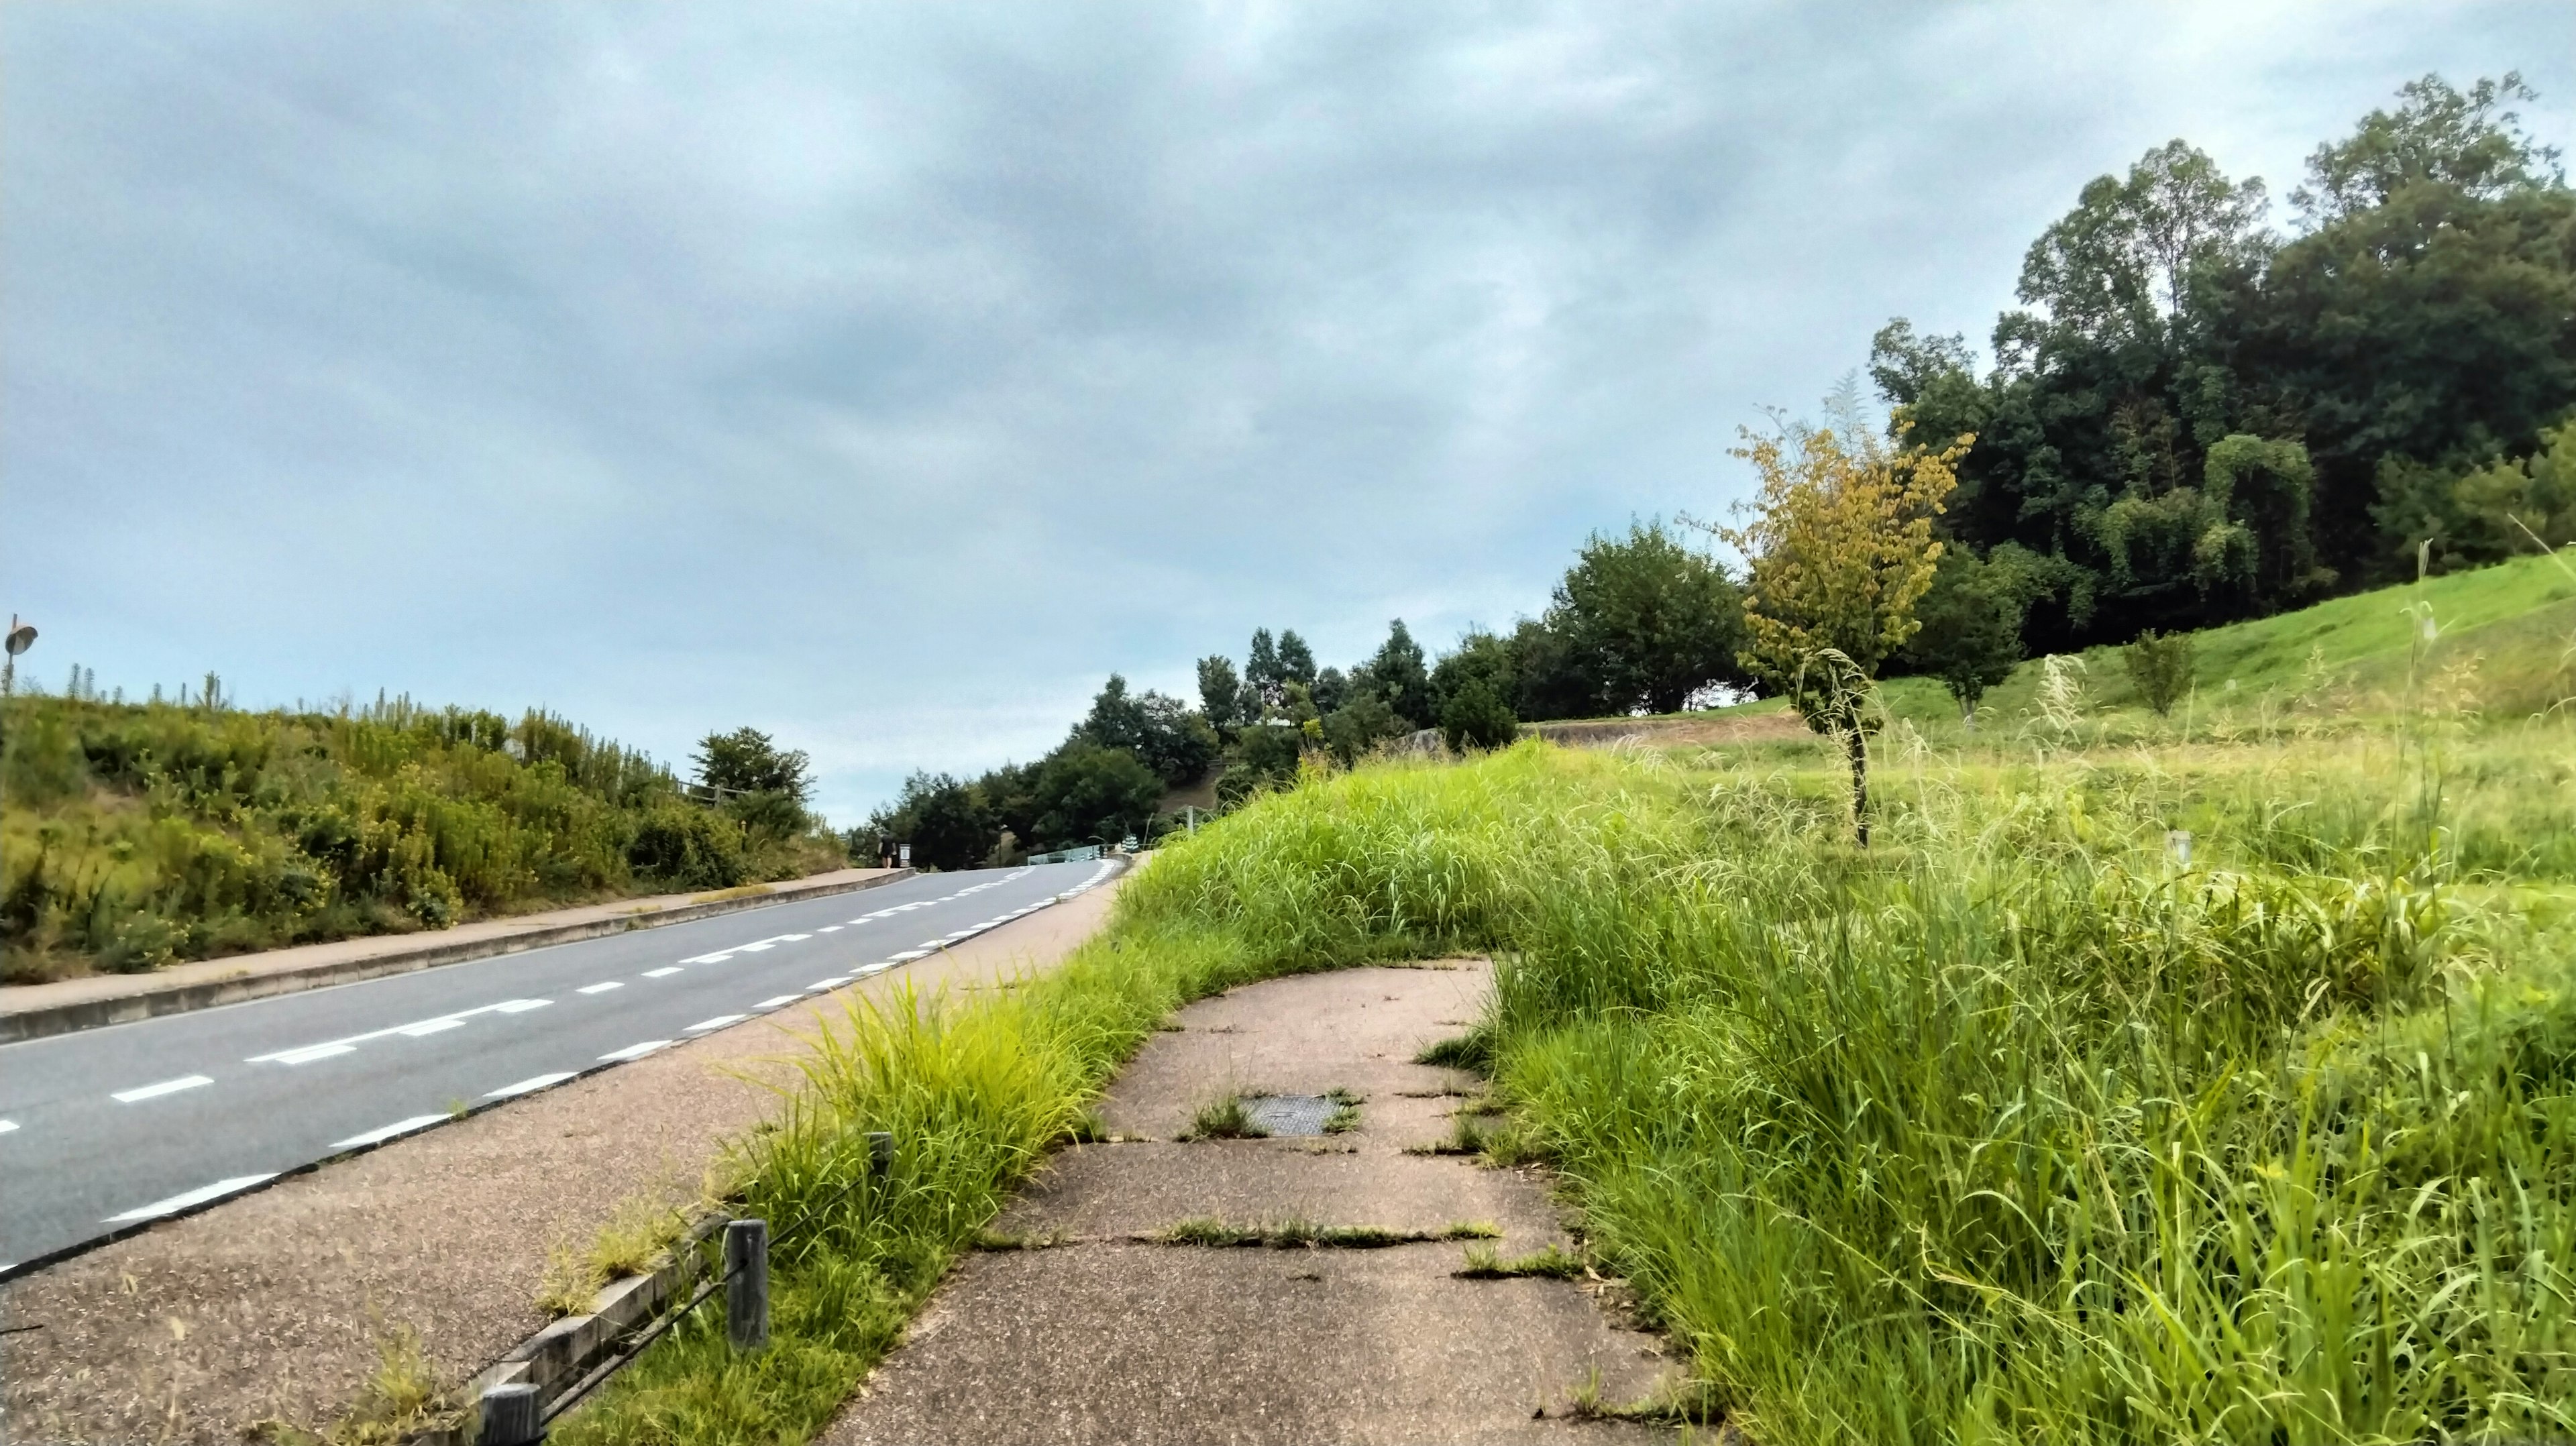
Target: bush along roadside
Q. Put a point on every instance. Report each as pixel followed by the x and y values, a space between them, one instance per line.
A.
pixel 2011 1128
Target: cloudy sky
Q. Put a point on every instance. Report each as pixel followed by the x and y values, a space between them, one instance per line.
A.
pixel 884 376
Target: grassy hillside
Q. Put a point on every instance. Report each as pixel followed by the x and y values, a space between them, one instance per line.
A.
pixel 137 834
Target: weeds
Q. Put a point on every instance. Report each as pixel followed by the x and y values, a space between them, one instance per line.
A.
pixel 1207 1230
pixel 1484 1262
pixel 1224 1119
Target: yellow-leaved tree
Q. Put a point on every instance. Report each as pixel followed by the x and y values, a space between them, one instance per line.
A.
pixel 1838 549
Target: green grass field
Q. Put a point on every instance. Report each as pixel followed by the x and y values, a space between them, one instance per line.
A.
pixel 2014 1127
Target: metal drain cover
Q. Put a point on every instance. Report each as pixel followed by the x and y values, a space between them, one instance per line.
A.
pixel 1289 1114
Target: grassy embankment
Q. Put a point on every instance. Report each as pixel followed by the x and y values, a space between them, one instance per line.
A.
pixel 138 834
pixel 2012 1128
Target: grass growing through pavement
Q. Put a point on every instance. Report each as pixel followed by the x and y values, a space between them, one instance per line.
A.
pixel 1484 1262
pixel 1224 1119
pixel 1207 1230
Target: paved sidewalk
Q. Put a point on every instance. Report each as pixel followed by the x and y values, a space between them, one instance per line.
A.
pixel 275 1305
pixel 1109 1339
pixel 28 1011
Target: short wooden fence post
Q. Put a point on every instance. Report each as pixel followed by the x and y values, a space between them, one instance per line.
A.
pixel 509 1416
pixel 746 1251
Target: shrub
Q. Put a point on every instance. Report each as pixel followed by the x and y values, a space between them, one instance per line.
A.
pixel 2160 665
pixel 688 846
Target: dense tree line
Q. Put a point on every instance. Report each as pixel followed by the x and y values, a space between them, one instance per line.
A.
pixel 1641 622
pixel 2192 418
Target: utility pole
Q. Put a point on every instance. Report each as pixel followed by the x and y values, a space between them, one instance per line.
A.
pixel 21 637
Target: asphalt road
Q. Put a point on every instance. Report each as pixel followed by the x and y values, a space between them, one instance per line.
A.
pixel 106 1129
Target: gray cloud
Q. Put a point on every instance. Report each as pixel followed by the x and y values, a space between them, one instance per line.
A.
pixel 886 377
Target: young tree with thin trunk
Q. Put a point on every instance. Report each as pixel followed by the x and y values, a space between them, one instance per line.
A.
pixel 1839 549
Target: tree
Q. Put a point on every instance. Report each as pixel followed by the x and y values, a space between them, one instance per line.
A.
pixel 1480 656
pixel 2465 143
pixel 2497 502
pixel 1395 673
pixel 1265 755
pixel 1085 791
pixel 1220 692
pixel 1261 674
pixel 1648 620
pixel 748 761
pixel 1552 682
pixel 1359 725
pixel 1158 729
pixel 1296 660
pixel 947 824
pixel 1477 717
pixel 1839 548
pixel 1970 635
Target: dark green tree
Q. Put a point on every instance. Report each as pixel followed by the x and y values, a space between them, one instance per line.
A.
pixel 1264 756
pixel 1296 660
pixel 1361 724
pixel 1477 717
pixel 1158 729
pixel 1648 620
pixel 1085 792
pixel 749 761
pixel 1220 692
pixel 1397 675
pixel 1971 630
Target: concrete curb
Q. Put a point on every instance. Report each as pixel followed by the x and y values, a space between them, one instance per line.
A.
pixel 562 1353
pixel 206 994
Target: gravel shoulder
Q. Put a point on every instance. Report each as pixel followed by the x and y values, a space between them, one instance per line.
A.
pixel 276 1306
pixel 1093 1335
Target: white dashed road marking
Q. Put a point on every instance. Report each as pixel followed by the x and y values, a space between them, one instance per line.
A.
pixel 635 1051
pixel 198 1196
pixel 664 972
pixel 719 1022
pixel 386 1132
pixel 600 988
pixel 776 1001
pixel 529 1086
pixel 156 1091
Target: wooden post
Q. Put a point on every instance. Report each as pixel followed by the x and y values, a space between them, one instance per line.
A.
pixel 509 1416
pixel 746 1250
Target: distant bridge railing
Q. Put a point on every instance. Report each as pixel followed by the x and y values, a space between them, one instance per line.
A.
pixel 1082 855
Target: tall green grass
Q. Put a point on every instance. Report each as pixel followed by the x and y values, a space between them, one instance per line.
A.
pixel 2014 1128
pixel 138 834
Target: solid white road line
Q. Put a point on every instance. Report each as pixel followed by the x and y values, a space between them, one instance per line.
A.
pixel 719 1022
pixel 776 1001
pixel 600 988
pixel 661 973
pixel 383 1133
pixel 634 1051
pixel 198 1196
pixel 156 1091
pixel 529 1086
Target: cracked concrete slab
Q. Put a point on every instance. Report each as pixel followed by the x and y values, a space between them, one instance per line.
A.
pixel 1106 1339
